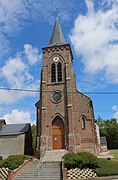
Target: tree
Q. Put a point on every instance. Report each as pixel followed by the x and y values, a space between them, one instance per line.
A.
pixel 109 129
pixel 99 120
pixel 33 129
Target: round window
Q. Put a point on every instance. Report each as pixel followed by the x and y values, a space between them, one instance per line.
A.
pixel 57 96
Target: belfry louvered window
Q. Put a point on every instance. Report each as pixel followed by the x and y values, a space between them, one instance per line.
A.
pixel 59 72
pixel 53 73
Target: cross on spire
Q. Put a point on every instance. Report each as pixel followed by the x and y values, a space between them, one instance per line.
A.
pixel 57 13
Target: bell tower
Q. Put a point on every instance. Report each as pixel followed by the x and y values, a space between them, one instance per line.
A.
pixel 61 109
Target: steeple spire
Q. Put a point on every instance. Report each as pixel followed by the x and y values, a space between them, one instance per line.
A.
pixel 57 37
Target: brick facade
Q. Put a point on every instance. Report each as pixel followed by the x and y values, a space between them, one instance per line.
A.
pixel 75 109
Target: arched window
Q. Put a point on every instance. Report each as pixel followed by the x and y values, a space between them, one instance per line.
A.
pixel 57 122
pixel 53 73
pixel 59 72
pixel 83 121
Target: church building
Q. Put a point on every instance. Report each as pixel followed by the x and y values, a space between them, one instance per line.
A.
pixel 65 116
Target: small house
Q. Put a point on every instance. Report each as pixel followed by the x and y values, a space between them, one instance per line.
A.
pixel 15 139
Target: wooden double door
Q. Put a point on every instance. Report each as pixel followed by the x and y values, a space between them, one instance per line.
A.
pixel 58 134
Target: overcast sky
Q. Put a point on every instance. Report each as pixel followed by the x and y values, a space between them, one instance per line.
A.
pixel 91 28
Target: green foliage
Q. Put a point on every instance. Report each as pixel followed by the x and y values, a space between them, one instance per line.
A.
pixel 80 160
pixel 1 162
pixel 88 160
pixel 14 161
pixel 109 129
pixel 99 120
pixel 107 167
pixel 33 129
pixel 70 160
pixel 103 167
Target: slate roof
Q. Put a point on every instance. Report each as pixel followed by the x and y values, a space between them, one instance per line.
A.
pixel 103 140
pixel 57 37
pixel 14 129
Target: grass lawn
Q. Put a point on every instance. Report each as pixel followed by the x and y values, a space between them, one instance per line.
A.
pixel 107 167
pixel 114 152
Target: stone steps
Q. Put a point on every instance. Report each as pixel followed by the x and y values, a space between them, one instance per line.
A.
pixel 29 172
pixel 48 168
pixel 40 178
pixel 42 171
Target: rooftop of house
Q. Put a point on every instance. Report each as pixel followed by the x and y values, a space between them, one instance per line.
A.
pixel 103 140
pixel 14 129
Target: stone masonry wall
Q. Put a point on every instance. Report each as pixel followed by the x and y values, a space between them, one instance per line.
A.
pixel 11 145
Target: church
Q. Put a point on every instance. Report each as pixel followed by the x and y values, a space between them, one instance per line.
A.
pixel 65 116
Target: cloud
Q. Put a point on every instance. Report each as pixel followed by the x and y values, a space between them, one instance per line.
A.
pixel 17 14
pixel 94 37
pixel 17 117
pixel 4 46
pixel 32 54
pixel 12 17
pixel 13 71
pixel 90 6
pixel 116 116
pixel 16 74
pixel 115 108
pixel 111 2
pixel 8 97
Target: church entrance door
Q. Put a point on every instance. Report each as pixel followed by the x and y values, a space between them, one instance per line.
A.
pixel 58 133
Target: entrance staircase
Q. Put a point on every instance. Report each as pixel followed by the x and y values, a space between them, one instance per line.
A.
pixel 54 155
pixel 48 168
pixel 29 172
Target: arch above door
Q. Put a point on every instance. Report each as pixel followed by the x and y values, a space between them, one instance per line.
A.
pixel 58 133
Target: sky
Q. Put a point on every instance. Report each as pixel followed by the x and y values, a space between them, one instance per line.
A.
pixel 89 26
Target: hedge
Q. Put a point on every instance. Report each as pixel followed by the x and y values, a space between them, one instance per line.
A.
pixel 14 161
pixel 80 160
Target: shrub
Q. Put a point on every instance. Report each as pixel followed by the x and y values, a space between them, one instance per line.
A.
pixel 14 161
pixel 103 167
pixel 1 162
pixel 70 160
pixel 80 160
pixel 87 160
